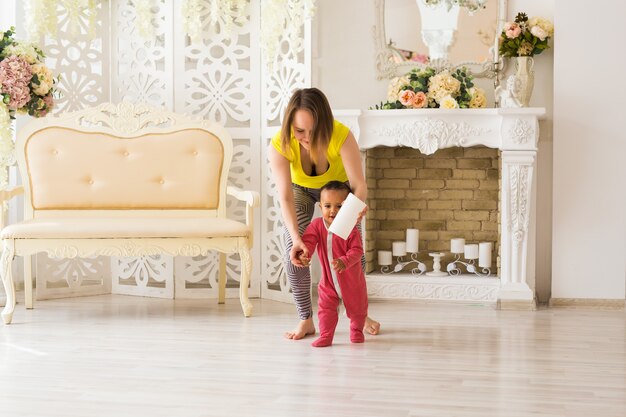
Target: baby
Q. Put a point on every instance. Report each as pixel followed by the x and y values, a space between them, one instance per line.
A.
pixel 342 274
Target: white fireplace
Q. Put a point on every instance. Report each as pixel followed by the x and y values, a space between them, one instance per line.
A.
pixel 515 132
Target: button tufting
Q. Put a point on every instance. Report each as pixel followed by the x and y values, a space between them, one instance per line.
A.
pixel 161 181
pixel 55 152
pixel 195 153
pixel 126 153
pixel 90 182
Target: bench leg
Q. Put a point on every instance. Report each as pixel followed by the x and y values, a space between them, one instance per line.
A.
pixel 6 262
pixel 221 295
pixel 246 267
pixel 28 281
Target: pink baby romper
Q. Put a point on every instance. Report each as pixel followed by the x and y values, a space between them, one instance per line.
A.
pixel 334 287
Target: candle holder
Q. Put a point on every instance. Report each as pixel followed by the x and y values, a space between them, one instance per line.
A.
pixel 454 269
pixel 436 272
pixel 418 270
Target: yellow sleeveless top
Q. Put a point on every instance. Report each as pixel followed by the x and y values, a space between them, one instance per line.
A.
pixel 336 171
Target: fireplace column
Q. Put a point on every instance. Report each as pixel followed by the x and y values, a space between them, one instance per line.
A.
pixel 520 134
pixel 515 209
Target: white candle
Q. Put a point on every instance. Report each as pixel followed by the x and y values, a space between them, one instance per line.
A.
pixel 484 255
pixel 471 251
pixel 398 248
pixel 457 245
pixel 384 258
pixel 412 240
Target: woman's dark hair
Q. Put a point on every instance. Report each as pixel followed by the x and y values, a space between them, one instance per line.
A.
pixel 316 103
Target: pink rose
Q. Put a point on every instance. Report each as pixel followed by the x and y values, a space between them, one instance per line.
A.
pixel 407 97
pixel 420 100
pixel 45 105
pixel 512 30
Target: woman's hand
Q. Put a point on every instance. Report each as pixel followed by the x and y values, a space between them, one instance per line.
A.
pixel 299 254
pixel 361 215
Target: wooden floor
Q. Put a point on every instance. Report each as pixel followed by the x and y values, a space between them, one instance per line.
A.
pixel 132 356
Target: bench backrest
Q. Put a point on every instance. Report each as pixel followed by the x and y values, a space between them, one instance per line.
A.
pixel 123 157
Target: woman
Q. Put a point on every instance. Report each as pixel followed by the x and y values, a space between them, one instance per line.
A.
pixel 311 149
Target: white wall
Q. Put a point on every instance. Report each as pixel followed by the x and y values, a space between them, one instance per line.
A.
pixel 344 68
pixel 589 152
pixel 7 17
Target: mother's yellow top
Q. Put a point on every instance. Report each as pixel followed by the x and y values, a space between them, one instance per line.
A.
pixel 336 171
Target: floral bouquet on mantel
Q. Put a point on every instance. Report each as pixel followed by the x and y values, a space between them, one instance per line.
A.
pixel 426 88
pixel 26 84
pixel 525 37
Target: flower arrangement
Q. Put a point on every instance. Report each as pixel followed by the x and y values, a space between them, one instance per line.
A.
pixel 279 18
pixel 226 13
pixel 283 18
pixel 427 88
pixel 525 37
pixel 471 5
pixel 26 84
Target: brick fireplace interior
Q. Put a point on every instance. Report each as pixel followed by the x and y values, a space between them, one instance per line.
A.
pixel 453 193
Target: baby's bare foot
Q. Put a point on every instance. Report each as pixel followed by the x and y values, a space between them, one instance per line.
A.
pixel 303 329
pixel 371 326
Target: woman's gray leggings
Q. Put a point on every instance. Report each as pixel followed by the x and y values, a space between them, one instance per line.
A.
pixel 300 278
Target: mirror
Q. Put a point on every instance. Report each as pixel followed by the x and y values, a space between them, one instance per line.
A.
pixel 437 33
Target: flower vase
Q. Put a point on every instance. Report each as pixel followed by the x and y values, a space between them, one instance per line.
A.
pixel 526 78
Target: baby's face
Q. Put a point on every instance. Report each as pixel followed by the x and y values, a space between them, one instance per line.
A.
pixel 330 203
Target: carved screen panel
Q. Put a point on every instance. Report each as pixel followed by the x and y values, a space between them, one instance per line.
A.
pixel 219 77
pixel 141 71
pixel 79 53
pixel 291 71
pixel 142 66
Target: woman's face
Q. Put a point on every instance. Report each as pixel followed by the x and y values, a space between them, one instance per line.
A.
pixel 302 126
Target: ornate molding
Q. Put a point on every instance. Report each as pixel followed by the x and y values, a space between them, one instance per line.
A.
pixel 126 117
pixel 521 132
pixel 434 291
pixel 246 259
pixel 67 249
pixel 8 253
pixel 519 180
pixel 387 68
pixel 429 134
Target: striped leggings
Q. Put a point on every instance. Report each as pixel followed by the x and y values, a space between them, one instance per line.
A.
pixel 300 278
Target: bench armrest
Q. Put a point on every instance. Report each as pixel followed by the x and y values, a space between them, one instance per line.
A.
pixel 252 199
pixel 5 196
pixel 9 193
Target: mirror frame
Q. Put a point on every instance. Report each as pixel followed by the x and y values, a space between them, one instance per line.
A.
pixel 386 68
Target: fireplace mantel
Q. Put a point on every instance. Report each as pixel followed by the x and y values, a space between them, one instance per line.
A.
pixel 515 132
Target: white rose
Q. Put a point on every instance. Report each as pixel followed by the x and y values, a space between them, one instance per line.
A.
pixel 448 103
pixel 538 32
pixel 395 86
pixel 24 50
pixel 441 85
pixel 544 24
pixel 42 89
pixel 478 98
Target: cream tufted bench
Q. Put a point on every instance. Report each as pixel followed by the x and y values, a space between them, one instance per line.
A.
pixel 125 180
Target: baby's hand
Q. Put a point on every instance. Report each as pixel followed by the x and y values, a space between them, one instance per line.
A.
pixel 305 260
pixel 338 265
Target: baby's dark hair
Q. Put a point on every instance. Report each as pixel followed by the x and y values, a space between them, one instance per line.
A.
pixel 336 186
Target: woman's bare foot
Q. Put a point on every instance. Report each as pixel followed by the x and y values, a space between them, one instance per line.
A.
pixel 303 329
pixel 371 326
